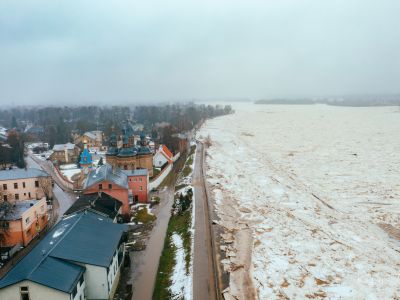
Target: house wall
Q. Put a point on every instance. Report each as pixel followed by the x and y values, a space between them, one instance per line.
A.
pixel 96 282
pixel 65 156
pixel 30 191
pixel 160 177
pixel 159 160
pixel 139 187
pixel 116 192
pixel 23 230
pixel 36 292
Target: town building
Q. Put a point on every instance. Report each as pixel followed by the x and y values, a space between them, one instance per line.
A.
pixel 80 258
pixel 21 221
pixel 162 157
pixel 100 203
pixel 65 154
pixel 129 155
pixel 127 186
pixel 93 139
pixel 25 184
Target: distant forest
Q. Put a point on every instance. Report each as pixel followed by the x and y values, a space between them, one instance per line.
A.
pixel 354 101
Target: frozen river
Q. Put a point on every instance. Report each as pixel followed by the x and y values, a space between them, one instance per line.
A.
pixel 309 197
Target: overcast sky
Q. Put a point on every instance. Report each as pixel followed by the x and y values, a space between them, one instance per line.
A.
pixel 116 51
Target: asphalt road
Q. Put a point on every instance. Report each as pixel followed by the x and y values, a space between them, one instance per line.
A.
pixel 203 271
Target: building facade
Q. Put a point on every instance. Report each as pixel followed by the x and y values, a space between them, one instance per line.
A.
pixel 24 184
pixel 23 222
pixel 65 154
pixel 127 186
pixel 162 157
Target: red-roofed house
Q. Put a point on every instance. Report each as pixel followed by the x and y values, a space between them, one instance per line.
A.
pixel 162 157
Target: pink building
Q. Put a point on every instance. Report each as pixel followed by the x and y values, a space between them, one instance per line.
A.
pixel 127 186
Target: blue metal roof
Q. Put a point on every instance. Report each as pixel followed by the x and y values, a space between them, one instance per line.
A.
pixel 84 237
pixel 22 173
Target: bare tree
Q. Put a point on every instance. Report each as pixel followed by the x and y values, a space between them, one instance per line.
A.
pixel 6 207
pixel 46 187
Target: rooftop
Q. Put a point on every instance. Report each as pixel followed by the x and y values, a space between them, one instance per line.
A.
pixel 137 172
pixel 83 238
pixel 18 209
pixel 102 203
pixel 22 173
pixel 62 147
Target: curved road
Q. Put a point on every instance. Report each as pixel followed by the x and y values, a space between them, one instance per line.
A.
pixel 64 199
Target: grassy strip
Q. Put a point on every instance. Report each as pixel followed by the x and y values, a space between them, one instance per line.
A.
pixel 179 224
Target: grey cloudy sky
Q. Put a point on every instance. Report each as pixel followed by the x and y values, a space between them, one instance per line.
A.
pixel 115 51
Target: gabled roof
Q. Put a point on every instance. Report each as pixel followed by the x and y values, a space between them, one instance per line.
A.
pixel 22 173
pixel 94 135
pixel 106 173
pixel 62 147
pixel 85 238
pixel 167 152
pixel 102 203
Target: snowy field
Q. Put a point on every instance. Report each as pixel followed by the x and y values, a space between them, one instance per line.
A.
pixel 309 197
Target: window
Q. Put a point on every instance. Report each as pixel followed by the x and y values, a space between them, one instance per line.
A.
pixel 5 225
pixel 5 198
pixel 140 188
pixel 5 186
pixel 29 195
pixel 24 291
pixel 25 194
pixel 15 185
pixel 125 167
pixel 27 220
pixel 36 183
pixel 100 186
pixel 110 186
pixel 134 179
pixel 140 179
pixel 28 232
pixel 16 196
pixel 23 184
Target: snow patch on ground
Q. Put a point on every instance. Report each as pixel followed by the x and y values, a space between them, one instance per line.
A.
pixel 181 286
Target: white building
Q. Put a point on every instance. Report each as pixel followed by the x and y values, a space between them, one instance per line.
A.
pixel 163 156
pixel 80 258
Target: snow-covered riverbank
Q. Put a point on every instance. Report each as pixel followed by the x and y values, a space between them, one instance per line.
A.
pixel 310 188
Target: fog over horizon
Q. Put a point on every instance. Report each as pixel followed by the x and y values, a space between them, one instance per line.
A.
pixel 125 52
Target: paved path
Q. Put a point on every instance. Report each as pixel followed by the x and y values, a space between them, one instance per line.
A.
pixel 64 199
pixel 203 271
pixel 144 264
